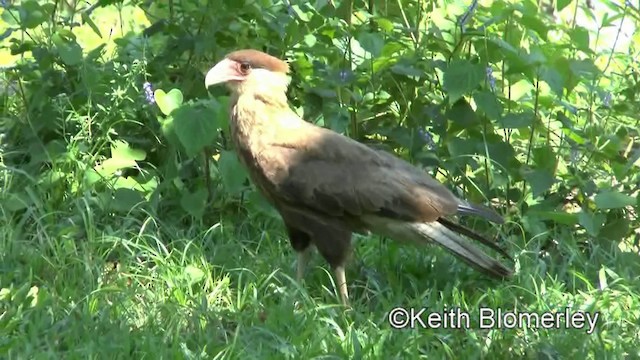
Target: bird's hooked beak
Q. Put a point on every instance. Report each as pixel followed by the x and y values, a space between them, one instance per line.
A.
pixel 224 71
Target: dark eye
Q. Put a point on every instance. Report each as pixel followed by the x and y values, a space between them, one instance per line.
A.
pixel 245 67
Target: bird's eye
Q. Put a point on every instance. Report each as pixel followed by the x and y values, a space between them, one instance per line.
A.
pixel 245 67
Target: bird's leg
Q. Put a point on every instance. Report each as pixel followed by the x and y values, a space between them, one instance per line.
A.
pixel 301 243
pixel 341 284
pixel 302 261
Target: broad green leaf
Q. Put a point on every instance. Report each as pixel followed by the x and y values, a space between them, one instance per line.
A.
pixel 10 16
pixel 584 68
pixel 459 147
pixel 561 4
pixel 232 172
pixel 500 152
pixel 196 125
pixel 462 114
pixel 121 150
pixel 310 40
pixel 462 77
pixel 407 70
pixel 32 14
pixel 91 176
pixel 168 130
pixel 516 120
pixel 616 229
pixel 384 24
pixel 520 90
pixel 489 104
pixel 372 43
pixel 580 37
pixel 545 157
pixel 554 79
pixel 167 102
pixel 125 199
pixel 69 50
pixel 611 199
pixel 193 274
pixel 194 203
pixel 302 15
pixel 122 156
pixel 540 180
pixel 534 22
pixel 591 222
pixel 15 202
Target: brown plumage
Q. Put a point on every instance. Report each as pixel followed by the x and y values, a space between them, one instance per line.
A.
pixel 326 185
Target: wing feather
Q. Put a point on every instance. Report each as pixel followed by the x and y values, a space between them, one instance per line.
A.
pixel 336 176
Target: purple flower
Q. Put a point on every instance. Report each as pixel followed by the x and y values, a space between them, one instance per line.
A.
pixel 607 100
pixel 426 136
pixel 343 75
pixel 490 78
pixel 148 92
pixel 574 155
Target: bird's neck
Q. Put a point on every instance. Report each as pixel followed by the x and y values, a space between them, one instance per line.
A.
pixel 256 111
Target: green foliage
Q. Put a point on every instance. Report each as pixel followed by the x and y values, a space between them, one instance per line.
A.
pixel 523 106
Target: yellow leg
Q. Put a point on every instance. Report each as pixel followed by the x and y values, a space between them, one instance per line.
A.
pixel 341 283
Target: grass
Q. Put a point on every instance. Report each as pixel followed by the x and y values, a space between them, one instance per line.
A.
pixel 119 288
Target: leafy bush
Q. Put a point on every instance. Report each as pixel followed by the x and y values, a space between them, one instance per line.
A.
pixel 105 126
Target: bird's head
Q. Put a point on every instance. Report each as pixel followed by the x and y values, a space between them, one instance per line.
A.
pixel 247 69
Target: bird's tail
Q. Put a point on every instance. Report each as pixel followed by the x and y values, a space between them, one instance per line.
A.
pixel 423 233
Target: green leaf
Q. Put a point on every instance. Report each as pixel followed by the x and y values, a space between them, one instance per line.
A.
pixel 540 181
pixel 580 38
pixel 305 16
pixel 372 43
pixel 126 199
pixel 612 199
pixel 167 102
pixel 310 40
pixel 554 79
pixel 86 19
pixel 232 172
pixel 584 68
pixel 535 23
pixel 461 77
pixel 169 131
pixel 407 70
pixel 592 223
pixel 122 156
pixel 32 14
pixel 516 120
pixel 545 157
pixel 194 203
pixel 15 202
pixel 121 150
pixel 561 4
pixel 616 229
pixel 500 152
pixel 193 274
pixel 69 50
pixel 461 113
pixel 10 16
pixel 488 103
pixel 196 125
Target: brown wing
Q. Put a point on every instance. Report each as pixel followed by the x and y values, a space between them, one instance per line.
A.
pixel 316 169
